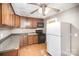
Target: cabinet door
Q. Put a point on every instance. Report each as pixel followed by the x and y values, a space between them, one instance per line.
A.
pixel 25 41
pixel 30 39
pixel 21 41
pixel 11 20
pixel 0 14
pixel 34 23
pixel 35 39
pixel 17 21
pixel 5 14
pixel 11 53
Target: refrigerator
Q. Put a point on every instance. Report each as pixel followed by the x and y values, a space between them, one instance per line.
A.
pixel 62 38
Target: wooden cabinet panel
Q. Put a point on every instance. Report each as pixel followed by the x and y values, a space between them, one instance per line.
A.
pixel 0 14
pixel 17 21
pixel 10 53
pixel 7 16
pixel 5 13
pixel 23 41
pixel 34 23
pixel 30 39
pixel 35 39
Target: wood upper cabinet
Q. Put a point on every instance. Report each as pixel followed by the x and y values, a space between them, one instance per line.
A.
pixel 0 14
pixel 17 21
pixel 34 23
pixel 7 14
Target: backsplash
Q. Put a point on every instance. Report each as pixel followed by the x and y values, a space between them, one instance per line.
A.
pixel 4 33
pixel 17 31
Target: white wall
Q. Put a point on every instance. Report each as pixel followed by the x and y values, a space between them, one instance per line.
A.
pixel 4 33
pixel 44 29
pixel 70 16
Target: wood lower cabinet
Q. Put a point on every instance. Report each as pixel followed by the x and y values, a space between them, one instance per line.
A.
pixel 23 41
pixel 10 53
pixel 32 39
pixel 28 40
pixel 35 39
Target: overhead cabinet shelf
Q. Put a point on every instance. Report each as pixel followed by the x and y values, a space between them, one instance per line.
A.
pixel 7 16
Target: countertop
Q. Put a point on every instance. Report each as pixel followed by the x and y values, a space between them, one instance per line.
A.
pixel 11 43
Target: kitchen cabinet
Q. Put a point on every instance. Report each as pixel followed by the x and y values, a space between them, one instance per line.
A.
pixel 0 14
pixel 25 23
pixel 7 14
pixel 35 39
pixel 32 39
pixel 34 23
pixel 31 23
pixel 27 40
pixel 10 53
pixel 23 41
pixel 37 23
pixel 17 21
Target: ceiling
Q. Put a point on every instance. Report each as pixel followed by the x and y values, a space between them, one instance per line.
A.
pixel 25 9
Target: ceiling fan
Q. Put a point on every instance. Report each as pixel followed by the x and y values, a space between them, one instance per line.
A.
pixel 43 6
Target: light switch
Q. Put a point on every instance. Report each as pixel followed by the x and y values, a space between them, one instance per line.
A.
pixel 76 35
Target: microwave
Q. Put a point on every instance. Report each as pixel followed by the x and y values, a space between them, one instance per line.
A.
pixel 40 24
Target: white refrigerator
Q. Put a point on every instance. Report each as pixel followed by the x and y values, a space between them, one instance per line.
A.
pixel 62 39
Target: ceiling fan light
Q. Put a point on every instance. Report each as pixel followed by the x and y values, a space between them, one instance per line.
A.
pixel 46 10
pixel 40 10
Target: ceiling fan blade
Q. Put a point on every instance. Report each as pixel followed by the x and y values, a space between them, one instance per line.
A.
pixel 55 9
pixel 36 4
pixel 43 10
pixel 34 11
